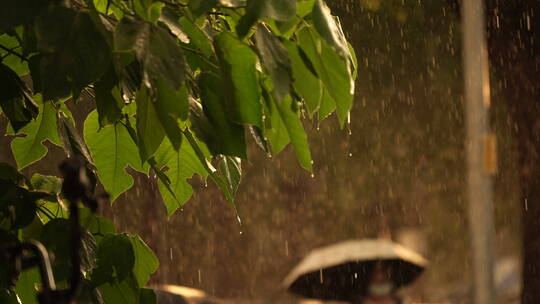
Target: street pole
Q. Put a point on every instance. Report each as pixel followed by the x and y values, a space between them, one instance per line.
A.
pixel 480 144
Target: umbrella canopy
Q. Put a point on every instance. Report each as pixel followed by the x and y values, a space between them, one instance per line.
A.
pixel 175 294
pixel 341 271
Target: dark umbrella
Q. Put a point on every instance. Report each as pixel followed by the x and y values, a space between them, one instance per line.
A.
pixel 341 271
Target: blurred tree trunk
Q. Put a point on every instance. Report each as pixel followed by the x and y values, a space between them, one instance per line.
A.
pixel 514 47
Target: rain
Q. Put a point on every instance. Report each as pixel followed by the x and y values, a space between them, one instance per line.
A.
pixel 397 172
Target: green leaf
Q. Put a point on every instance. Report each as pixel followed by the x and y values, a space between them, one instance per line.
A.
pixel 170 19
pixel 12 61
pixel 275 59
pixel 171 105
pixel 155 48
pixel 280 10
pixel 149 130
pixel 180 165
pixel 109 106
pixel 231 169
pixel 74 145
pixel 226 137
pixel 26 287
pixel 201 7
pixel 146 261
pixel 30 149
pixel 97 225
pixel 329 28
pixel 70 59
pixel 332 69
pixel 56 237
pixel 124 292
pixel 238 66
pixel 115 260
pixel 306 84
pixel 327 105
pixel 218 179
pixel 46 183
pixel 47 209
pixel 112 150
pixel 15 100
pixel 275 130
pixel 296 131
pixel 198 38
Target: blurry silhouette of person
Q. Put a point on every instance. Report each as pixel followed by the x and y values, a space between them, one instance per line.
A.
pixel 380 288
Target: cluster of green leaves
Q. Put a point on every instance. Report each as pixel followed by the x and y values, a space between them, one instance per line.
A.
pixel 115 267
pixel 175 84
pixel 175 87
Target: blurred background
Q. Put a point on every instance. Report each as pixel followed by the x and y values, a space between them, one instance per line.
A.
pixel 397 171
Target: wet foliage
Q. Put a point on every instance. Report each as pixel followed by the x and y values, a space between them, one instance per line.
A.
pixel 164 89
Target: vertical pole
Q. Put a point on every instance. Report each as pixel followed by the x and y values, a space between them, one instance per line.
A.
pixel 480 150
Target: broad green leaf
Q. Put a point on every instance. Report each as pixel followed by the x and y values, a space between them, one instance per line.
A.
pixel 306 84
pixel 115 260
pixel 109 106
pixel 296 132
pixel 112 150
pixel 27 286
pixel 97 225
pixel 201 7
pixel 48 209
pixel 32 231
pixel 198 38
pixel 155 13
pixel 69 60
pixel 142 8
pixel 55 237
pixel 275 59
pixel 156 49
pixel 170 19
pixel 30 149
pixel 332 69
pixel 327 105
pixel 217 178
pixel 171 105
pixel 180 165
pixel 238 66
pixel 15 101
pixel 226 137
pixel 329 28
pixel 146 261
pixel 280 10
pixel 275 130
pixel 150 133
pixel 231 169
pixel 47 183
pixel 14 62
pixel 124 292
